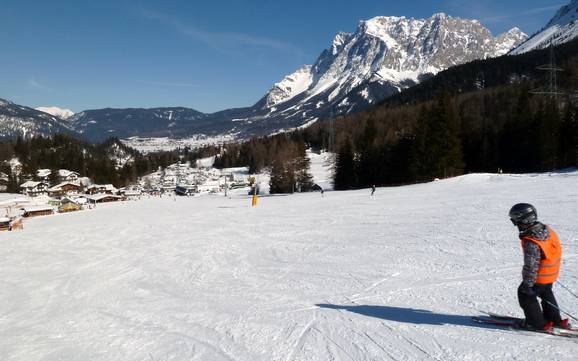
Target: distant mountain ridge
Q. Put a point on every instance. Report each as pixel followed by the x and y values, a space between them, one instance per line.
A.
pixel 99 124
pixel 21 120
pixel 59 112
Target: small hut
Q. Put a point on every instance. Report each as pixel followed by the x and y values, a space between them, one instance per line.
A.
pixel 37 211
pixel 69 207
pixel 4 224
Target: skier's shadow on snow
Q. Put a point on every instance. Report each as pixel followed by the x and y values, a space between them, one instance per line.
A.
pixel 408 315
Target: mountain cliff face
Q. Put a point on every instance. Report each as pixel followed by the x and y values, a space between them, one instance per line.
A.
pixel 17 120
pixel 562 28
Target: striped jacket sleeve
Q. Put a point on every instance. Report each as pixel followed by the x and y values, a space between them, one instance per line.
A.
pixel 532 257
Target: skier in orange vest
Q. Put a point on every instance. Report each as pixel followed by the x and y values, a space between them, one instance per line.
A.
pixel 542 259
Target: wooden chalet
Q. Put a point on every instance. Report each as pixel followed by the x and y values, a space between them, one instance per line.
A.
pixel 64 189
pixel 66 175
pixel 33 189
pixel 69 207
pixel 102 198
pixel 43 175
pixel 101 189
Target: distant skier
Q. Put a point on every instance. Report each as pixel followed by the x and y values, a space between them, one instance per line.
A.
pixel 542 259
pixel 322 191
pixel 372 189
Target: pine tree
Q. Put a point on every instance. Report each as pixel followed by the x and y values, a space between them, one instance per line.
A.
pixel 12 186
pixel 568 149
pixel 368 165
pixel 54 178
pixel 452 156
pixel 282 177
pixel 419 162
pixel 303 177
pixel 345 167
pixel 548 120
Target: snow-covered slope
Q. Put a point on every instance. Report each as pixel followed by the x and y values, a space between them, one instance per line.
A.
pixel 395 276
pixel 17 120
pixel 56 111
pixel 562 28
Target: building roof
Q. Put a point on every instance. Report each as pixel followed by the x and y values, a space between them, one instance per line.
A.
pixel 43 172
pixel 66 172
pixel 98 197
pixel 37 208
pixel 31 184
pixel 105 186
pixel 4 220
pixel 69 200
pixel 59 186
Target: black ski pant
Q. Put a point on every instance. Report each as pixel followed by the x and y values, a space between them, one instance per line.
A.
pixel 537 316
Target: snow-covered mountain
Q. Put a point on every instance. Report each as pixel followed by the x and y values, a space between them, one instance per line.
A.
pixel 562 28
pixel 99 124
pixel 383 56
pixel 56 111
pixel 17 120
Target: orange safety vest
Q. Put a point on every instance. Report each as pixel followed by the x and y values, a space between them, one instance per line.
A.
pixel 551 260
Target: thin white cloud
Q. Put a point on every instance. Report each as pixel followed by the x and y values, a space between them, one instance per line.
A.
pixel 220 41
pixel 35 85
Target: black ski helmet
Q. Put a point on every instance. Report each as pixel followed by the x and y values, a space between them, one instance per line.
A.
pixel 523 214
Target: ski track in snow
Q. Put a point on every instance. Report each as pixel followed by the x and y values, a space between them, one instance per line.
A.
pixel 395 276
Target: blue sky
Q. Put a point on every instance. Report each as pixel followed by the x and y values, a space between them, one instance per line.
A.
pixel 206 55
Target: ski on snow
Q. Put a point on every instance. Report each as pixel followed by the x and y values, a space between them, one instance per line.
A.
pixel 514 323
pixel 518 320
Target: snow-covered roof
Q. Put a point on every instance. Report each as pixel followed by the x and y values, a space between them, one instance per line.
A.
pixel 97 197
pixel 43 172
pixel 69 199
pixel 66 172
pixel 37 208
pixel 31 184
pixel 59 186
pixel 105 186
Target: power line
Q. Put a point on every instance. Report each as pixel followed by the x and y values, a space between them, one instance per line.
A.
pixel 551 89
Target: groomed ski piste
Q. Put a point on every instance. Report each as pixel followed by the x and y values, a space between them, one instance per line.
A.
pixel 396 276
